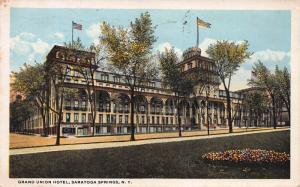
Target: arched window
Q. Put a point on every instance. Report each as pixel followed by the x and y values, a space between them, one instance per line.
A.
pixel 169 108
pixel 122 103
pixel 76 100
pixel 104 101
pixel 156 105
pixel 82 97
pixel 184 108
pixel 140 104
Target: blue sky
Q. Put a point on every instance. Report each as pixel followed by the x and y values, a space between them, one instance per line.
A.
pixel 33 32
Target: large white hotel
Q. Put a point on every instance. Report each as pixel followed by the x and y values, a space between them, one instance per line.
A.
pixel 154 107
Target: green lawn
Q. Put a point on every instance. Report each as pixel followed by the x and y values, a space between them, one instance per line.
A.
pixel 166 160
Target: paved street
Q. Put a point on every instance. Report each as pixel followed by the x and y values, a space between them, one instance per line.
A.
pixel 24 144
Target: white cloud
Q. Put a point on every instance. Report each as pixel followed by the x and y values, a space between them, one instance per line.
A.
pixel 19 46
pixel 161 48
pixel 59 35
pixel 204 45
pixel 29 37
pixel 26 46
pixel 93 32
pixel 269 55
pixel 240 79
pixel 40 46
pixel 208 41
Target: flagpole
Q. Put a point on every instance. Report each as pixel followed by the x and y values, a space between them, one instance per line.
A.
pixel 197 45
pixel 72 33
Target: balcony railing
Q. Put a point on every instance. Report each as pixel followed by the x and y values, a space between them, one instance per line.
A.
pixel 75 108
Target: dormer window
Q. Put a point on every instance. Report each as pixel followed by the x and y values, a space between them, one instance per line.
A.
pixel 104 77
pixel 182 69
pixel 190 65
pixel 152 84
pixel 116 79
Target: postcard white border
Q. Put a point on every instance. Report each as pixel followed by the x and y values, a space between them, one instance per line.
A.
pixel 292 5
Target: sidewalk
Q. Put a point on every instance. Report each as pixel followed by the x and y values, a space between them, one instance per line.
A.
pixel 24 141
pixel 110 141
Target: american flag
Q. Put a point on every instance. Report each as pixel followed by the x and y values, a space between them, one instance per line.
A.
pixel 202 23
pixel 76 26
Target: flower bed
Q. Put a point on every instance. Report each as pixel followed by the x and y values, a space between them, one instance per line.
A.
pixel 247 156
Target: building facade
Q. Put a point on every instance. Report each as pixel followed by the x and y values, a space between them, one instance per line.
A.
pixel 155 109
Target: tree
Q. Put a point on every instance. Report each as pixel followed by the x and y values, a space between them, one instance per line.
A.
pixel 228 57
pixel 56 74
pixel 174 79
pixel 256 103
pixel 129 53
pixel 283 80
pixel 263 78
pixel 30 81
pixel 20 110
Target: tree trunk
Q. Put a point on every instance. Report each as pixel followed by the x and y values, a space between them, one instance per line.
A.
pixel 228 110
pixel 59 120
pixel 289 114
pixel 179 119
pixel 48 92
pixel 207 119
pixel 93 111
pixel 44 123
pixel 132 138
pixel 274 113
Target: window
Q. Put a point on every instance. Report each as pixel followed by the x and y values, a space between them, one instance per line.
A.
pixel 120 119
pixel 153 122
pixel 75 117
pixel 107 107
pixel 143 120
pixel 83 118
pixel 76 103
pixel 67 103
pixel 182 69
pixel 167 120
pixel 83 104
pixel 68 117
pixel 126 119
pixel 157 120
pixel 100 118
pixel 190 65
pixel 142 108
pixel 90 117
pixel 152 84
pixel 107 118
pixel 126 108
pixel 104 77
pixel 171 120
pixel 113 119
pixel 116 79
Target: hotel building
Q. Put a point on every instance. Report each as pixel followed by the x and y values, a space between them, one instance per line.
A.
pixel 154 103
